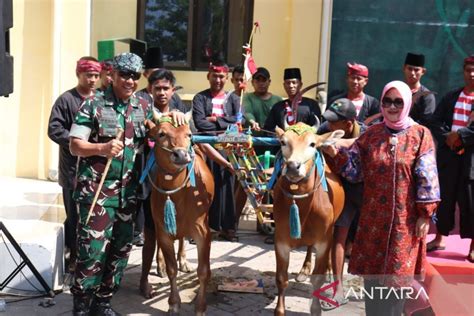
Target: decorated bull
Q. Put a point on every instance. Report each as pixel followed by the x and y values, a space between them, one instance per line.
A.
pixel 181 196
pixel 308 198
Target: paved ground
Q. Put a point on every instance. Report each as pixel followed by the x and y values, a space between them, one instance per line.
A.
pixel 248 259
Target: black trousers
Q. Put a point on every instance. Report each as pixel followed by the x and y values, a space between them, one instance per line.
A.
pixel 378 305
pixel 455 188
pixel 72 217
pixel 139 220
pixel 222 211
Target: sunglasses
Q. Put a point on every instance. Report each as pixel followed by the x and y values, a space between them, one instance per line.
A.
pixel 125 75
pixel 387 102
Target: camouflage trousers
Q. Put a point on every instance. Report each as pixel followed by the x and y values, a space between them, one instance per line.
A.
pixel 103 248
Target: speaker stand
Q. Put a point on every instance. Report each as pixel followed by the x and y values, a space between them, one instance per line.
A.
pixel 25 262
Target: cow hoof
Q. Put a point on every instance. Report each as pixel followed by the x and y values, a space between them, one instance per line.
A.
pixel 301 277
pixel 183 267
pixel 200 313
pixel 174 309
pixel 161 273
pixel 315 308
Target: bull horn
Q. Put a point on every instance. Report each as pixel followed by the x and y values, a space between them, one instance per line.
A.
pixel 317 123
pixel 188 116
pixel 285 122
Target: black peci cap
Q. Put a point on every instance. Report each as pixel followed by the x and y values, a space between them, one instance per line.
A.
pixel 417 60
pixel 292 73
pixel 153 58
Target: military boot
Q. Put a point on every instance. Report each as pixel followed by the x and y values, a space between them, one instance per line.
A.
pixel 81 305
pixel 101 307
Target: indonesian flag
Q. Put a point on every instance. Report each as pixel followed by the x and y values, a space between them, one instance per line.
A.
pixel 249 64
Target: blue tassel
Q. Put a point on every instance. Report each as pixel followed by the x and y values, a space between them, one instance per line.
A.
pixel 170 217
pixel 295 225
pixel 434 218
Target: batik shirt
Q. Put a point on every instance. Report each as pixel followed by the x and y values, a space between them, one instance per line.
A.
pixel 400 185
pixel 97 122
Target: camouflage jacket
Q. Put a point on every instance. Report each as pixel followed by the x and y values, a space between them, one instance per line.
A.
pixel 97 121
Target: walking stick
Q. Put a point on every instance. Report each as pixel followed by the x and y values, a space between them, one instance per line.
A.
pixel 104 175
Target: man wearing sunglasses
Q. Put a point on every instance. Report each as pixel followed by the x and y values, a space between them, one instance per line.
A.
pixel 452 125
pixel 105 240
pixel 424 105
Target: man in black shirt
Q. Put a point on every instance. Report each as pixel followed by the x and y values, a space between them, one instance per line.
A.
pixel 306 110
pixel 424 106
pixel 60 122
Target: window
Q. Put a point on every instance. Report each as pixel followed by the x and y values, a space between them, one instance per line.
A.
pixel 193 32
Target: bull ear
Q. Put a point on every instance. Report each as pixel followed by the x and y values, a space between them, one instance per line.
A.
pixel 339 133
pixel 279 132
pixel 188 116
pixel 330 138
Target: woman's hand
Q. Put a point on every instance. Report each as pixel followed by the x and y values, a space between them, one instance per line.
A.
pixel 331 150
pixel 422 226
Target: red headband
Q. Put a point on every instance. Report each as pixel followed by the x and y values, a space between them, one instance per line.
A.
pixel 218 68
pixel 469 60
pixel 357 69
pixel 87 66
pixel 106 66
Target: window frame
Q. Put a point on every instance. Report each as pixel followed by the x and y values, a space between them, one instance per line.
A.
pixel 192 60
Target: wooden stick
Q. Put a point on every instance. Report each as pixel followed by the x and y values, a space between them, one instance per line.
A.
pixel 104 175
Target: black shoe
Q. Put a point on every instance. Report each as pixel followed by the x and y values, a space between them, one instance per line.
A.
pixel 138 240
pixel 102 307
pixel 270 240
pixel 81 306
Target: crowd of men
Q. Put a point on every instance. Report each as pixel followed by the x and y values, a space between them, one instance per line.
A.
pixel 85 123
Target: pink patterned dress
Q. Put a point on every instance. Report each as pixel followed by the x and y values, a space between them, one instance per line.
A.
pixel 400 185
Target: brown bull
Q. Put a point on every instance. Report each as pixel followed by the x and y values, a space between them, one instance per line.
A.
pixel 301 183
pixel 173 154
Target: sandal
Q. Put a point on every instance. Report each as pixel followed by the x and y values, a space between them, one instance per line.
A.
pixel 470 256
pixel 433 247
pixel 229 236
pixel 325 306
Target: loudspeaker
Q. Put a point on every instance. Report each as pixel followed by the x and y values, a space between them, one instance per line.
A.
pixel 6 60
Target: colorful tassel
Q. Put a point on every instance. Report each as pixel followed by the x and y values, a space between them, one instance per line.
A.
pixel 295 225
pixel 170 217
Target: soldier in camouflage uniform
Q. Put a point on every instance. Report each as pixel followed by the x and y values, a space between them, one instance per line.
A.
pixel 105 241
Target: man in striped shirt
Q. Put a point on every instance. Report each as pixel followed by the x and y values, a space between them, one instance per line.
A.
pixel 214 110
pixel 453 128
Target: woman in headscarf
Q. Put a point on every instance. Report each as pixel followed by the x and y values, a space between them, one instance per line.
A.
pixel 396 161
